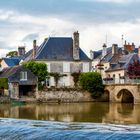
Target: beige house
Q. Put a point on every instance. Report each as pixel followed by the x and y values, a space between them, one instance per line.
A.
pixel 113 62
pixel 62 55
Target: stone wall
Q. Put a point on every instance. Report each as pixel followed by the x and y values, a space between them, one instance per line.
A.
pixel 4 99
pixel 64 96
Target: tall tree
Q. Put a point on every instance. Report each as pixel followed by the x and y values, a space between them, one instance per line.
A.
pixel 12 54
pixel 39 69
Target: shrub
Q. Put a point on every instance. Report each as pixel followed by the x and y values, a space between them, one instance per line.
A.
pixel 92 82
pixel 4 83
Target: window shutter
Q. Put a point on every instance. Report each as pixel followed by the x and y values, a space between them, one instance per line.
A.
pixel 66 67
pixel 85 67
pixel 48 67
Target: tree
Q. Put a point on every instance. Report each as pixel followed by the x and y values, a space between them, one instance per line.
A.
pixel 75 76
pixel 92 82
pixel 12 54
pixel 38 69
pixel 133 70
pixel 57 77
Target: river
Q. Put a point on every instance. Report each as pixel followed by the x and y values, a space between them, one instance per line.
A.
pixel 74 121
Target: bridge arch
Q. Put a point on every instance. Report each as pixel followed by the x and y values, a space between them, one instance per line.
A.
pixel 125 96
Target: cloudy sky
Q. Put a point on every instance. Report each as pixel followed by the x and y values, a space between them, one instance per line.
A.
pixel 21 21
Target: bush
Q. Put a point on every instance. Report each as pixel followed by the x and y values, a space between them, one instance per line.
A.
pixel 4 83
pixel 92 82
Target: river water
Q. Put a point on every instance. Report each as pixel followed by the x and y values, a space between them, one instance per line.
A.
pixel 76 121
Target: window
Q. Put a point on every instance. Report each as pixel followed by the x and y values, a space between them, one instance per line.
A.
pixel 23 75
pixel 66 67
pixel 85 67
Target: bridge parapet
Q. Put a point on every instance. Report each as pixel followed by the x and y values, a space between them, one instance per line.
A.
pixel 125 81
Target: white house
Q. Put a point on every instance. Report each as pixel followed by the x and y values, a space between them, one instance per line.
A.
pixel 62 55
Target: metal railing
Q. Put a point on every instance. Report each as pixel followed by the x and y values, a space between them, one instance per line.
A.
pixel 122 81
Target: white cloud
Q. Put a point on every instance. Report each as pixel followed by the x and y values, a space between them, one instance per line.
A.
pixel 115 1
pixel 112 1
pixel 92 36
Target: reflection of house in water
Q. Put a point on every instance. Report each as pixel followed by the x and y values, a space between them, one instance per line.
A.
pixel 87 112
pixel 122 113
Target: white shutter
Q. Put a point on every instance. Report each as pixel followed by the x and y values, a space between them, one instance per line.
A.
pixel 48 67
pixel 52 82
pixel 85 67
pixel 25 75
pixel 66 67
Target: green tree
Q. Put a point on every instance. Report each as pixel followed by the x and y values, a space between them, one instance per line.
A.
pixel 92 82
pixel 12 54
pixel 57 77
pixel 39 69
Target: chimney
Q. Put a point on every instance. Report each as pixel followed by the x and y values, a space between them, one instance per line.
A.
pixel 45 39
pixel 104 51
pixel 21 50
pixel 91 54
pixel 133 47
pixel 125 42
pixel 34 48
pixel 76 46
pixel 139 51
pixel 114 49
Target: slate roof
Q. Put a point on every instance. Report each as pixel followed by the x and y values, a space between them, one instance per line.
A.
pixel 98 54
pixel 57 48
pixel 123 62
pixel 7 72
pixel 11 61
pixel 13 75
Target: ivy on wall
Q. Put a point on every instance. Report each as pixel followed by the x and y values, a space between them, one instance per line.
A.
pixel 4 83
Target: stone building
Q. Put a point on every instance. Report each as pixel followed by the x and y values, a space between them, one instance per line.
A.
pixel 113 62
pixel 62 55
pixel 21 81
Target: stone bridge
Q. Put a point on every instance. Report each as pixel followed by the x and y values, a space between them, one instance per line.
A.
pixel 127 93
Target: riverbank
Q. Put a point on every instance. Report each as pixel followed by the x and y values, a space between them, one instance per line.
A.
pixel 66 95
pixel 58 95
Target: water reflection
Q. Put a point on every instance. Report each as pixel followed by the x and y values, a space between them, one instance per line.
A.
pixel 77 112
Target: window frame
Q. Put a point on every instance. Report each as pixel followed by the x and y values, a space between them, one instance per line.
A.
pixel 23 76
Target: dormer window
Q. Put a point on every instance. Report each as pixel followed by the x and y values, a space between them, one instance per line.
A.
pixel 23 75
